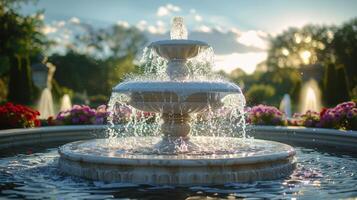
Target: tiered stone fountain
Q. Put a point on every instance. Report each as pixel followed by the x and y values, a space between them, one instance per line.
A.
pixel 176 158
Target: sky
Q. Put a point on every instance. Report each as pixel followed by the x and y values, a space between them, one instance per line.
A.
pixel 238 30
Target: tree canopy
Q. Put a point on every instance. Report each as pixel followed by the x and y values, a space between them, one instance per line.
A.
pixel 98 59
pixel 20 40
pixel 297 47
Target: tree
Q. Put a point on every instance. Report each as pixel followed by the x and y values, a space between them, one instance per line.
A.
pixel 118 68
pixel 283 80
pixel 20 39
pixel 79 72
pixel 116 41
pixel 99 56
pixel 296 47
pixel 84 73
pixel 345 48
pixel 335 87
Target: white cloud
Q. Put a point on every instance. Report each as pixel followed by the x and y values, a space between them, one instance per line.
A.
pixel 158 28
pixel 160 23
pixel 41 17
pixel 124 24
pixel 66 36
pixel 198 17
pixel 161 27
pixel 57 39
pixel 220 29
pixel 173 8
pixel 152 29
pixel 246 61
pixel 142 25
pixel 60 23
pixel 74 20
pixel 235 30
pixel 47 29
pixel 204 28
pixel 54 28
pixel 162 11
pixel 253 39
pixel 167 10
pixel 192 11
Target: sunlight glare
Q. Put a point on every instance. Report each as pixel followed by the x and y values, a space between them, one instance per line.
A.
pixel 305 56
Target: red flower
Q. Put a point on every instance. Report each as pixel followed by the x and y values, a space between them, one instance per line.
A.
pixel 323 111
pixel 37 123
pixel 18 116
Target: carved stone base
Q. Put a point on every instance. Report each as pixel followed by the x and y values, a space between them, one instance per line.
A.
pixel 259 160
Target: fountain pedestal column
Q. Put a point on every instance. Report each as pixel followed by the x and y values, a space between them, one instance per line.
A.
pixel 177 69
pixel 176 125
pixel 176 129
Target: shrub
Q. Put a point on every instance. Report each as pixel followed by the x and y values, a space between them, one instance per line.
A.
pixel 260 94
pixel 18 116
pixel 343 116
pixel 98 100
pixel 309 119
pixel 335 86
pixel 266 115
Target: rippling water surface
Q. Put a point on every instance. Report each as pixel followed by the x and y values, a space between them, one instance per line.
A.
pixel 33 174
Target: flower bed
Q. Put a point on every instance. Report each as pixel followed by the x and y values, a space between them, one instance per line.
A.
pixel 265 115
pixel 79 115
pixel 343 116
pixel 18 116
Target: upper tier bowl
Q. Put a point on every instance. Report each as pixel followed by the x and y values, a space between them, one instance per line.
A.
pixel 178 49
pixel 176 96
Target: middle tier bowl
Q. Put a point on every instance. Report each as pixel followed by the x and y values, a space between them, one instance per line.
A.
pixel 176 96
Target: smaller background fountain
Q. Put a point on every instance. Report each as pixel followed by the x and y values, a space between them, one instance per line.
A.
pixel 66 103
pixel 310 97
pixel 285 105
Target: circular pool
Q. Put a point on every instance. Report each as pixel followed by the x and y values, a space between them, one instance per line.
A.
pixel 326 169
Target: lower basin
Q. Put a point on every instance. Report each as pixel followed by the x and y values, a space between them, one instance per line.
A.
pixel 325 169
pixel 218 161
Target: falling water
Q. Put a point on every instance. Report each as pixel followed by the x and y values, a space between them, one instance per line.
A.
pixel 66 103
pixel 45 105
pixel 310 97
pixel 154 66
pixel 285 105
pixel 229 120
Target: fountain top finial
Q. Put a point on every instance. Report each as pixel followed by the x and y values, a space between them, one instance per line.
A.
pixel 178 29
